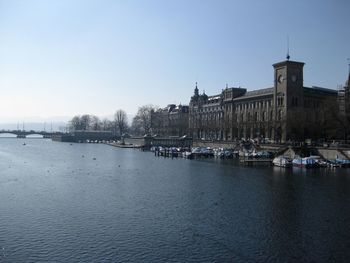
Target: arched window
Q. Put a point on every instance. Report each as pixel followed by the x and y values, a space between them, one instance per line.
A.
pixel 248 117
pixel 280 115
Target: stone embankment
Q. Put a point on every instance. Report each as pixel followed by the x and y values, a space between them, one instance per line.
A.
pixel 325 152
pixel 329 153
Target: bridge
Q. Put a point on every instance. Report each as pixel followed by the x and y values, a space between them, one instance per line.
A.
pixel 24 134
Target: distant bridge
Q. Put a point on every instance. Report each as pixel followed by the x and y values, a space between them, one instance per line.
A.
pixel 24 134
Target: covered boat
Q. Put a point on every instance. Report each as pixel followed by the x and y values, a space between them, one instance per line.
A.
pixel 282 161
pixel 306 162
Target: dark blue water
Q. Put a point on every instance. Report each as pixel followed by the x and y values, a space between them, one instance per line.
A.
pixel 96 203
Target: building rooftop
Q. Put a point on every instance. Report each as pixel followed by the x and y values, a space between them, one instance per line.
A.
pixel 320 89
pixel 256 93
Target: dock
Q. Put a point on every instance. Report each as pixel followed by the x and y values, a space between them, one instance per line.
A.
pixel 256 161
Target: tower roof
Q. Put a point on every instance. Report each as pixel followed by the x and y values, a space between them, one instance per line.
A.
pixel 288 62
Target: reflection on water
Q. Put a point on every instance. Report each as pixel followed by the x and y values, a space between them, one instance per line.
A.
pixel 93 203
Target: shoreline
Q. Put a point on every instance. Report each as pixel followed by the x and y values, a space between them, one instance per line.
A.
pixel 127 146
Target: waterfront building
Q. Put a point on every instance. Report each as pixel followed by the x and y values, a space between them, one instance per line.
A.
pixel 288 111
pixel 344 109
pixel 170 121
pixel 344 97
pixel 206 116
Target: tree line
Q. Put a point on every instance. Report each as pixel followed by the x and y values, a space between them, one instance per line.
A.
pixel 119 125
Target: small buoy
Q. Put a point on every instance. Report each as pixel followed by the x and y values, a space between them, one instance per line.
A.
pixel 94 158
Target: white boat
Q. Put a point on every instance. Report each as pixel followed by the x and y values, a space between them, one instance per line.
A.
pixel 306 162
pixel 187 155
pixel 282 161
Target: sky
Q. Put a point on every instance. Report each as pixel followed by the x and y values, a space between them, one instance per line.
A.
pixel 60 58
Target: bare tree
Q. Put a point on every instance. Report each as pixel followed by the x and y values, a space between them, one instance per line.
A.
pixel 142 121
pixel 75 123
pixel 95 123
pixel 85 121
pixel 106 125
pixel 136 127
pixel 121 121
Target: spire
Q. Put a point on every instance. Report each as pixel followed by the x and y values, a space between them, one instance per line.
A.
pixel 288 56
pixel 347 84
pixel 196 93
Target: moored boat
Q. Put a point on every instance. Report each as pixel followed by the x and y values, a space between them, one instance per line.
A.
pixel 282 161
pixel 187 155
pixel 306 162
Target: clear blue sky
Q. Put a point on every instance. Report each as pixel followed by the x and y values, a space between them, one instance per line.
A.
pixel 67 57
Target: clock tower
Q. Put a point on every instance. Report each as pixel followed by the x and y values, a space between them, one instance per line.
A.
pixel 288 97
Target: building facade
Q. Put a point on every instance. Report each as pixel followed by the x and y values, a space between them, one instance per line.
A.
pixel 344 97
pixel 170 121
pixel 288 111
pixel 344 109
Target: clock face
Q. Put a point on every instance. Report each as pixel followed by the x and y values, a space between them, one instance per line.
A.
pixel 280 78
pixel 294 78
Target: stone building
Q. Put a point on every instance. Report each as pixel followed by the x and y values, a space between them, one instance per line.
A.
pixel 206 116
pixel 344 109
pixel 170 121
pixel 344 97
pixel 288 111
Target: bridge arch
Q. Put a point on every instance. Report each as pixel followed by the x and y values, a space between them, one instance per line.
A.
pixel 8 135
pixel 34 136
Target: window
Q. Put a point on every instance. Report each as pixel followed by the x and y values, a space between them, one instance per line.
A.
pixel 280 101
pixel 294 101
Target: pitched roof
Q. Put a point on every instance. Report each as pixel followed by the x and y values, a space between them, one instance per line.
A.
pixel 256 93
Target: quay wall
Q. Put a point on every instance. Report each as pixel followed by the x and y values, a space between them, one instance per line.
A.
pixel 339 153
pixel 233 144
pixel 82 136
pixel 63 138
pixel 149 141
pixel 137 141
pixel 214 144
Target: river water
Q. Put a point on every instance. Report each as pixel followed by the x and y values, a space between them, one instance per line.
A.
pixel 96 203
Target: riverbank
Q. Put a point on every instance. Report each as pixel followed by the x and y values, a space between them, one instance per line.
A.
pixel 248 155
pixel 120 145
